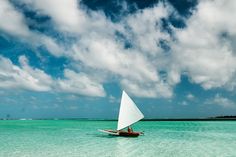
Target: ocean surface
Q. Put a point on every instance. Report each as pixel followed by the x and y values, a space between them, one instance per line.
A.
pixel 72 138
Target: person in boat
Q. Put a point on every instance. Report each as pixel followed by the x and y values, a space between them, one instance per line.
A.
pixel 130 130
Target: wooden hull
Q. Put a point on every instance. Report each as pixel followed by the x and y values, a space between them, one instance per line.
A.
pixel 129 134
pixel 122 133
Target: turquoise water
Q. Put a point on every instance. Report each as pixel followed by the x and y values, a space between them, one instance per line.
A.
pixel 70 138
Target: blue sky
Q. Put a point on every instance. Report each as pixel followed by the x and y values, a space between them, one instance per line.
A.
pixel 72 59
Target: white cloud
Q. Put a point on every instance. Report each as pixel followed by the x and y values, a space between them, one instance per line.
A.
pixel 201 51
pixel 98 47
pixel 64 13
pixel 204 50
pixel 190 96
pixel 113 99
pixel 13 23
pixel 135 70
pixel 68 16
pixel 51 45
pixel 23 77
pixel 28 78
pixel 184 103
pixel 80 83
pixel 106 54
pixel 145 28
pixel 147 89
pixel 221 101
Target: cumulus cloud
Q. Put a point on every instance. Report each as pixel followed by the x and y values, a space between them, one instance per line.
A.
pixel 147 89
pixel 68 16
pixel 136 71
pixel 113 99
pixel 130 51
pixel 14 24
pixel 221 101
pixel 28 78
pixel 190 96
pixel 145 28
pixel 203 50
pixel 80 83
pixel 23 77
pixel 184 103
pixel 99 48
pixel 64 13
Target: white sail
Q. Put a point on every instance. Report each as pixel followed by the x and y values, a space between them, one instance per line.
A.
pixel 129 113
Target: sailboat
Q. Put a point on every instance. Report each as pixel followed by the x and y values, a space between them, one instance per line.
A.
pixel 128 115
